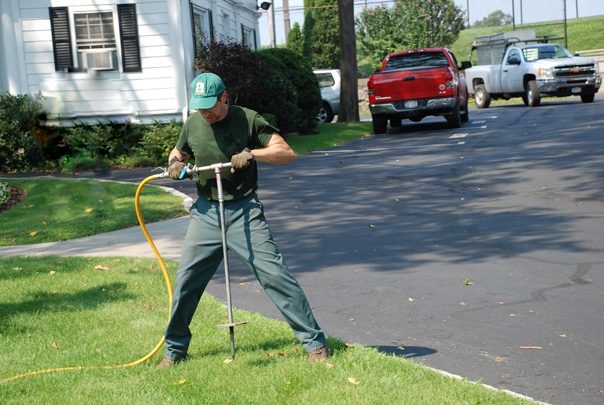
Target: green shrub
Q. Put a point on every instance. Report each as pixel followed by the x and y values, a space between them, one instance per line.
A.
pixel 104 140
pixel 295 69
pixel 157 141
pixel 19 120
pixel 277 82
pixel 4 192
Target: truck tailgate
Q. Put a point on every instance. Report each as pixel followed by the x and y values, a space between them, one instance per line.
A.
pixel 413 84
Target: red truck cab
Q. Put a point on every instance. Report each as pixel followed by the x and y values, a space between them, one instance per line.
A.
pixel 414 84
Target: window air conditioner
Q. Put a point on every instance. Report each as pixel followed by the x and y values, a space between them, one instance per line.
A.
pixel 98 60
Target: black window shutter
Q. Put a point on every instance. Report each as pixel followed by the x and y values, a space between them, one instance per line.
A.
pixel 193 31
pixel 243 34
pixel 255 42
pixel 131 55
pixel 61 38
pixel 211 21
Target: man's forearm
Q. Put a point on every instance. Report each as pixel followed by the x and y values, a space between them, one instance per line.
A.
pixel 277 152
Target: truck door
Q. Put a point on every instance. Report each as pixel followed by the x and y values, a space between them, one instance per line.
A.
pixel 511 72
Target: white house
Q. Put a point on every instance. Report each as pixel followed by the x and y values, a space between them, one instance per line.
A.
pixel 97 60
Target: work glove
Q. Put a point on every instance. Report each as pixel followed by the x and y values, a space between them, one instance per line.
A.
pixel 175 169
pixel 242 159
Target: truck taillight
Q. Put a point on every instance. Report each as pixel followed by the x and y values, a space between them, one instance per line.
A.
pixel 451 80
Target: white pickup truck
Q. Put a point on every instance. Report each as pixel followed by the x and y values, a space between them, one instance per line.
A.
pixel 531 71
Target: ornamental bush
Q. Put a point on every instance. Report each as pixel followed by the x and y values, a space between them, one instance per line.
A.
pixel 19 122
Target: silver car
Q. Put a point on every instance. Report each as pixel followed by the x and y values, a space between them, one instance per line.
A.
pixel 329 83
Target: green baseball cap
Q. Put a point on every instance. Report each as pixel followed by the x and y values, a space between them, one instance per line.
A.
pixel 205 89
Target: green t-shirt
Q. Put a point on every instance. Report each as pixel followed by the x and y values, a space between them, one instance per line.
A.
pixel 217 143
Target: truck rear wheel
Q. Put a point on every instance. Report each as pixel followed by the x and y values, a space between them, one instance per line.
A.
pixel 465 113
pixel 587 98
pixel 454 120
pixel 380 123
pixel 533 98
pixel 482 97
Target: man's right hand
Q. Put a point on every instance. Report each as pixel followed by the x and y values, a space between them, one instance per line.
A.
pixel 175 169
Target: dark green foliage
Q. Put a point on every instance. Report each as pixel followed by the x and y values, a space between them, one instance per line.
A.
pixel 295 40
pixel 278 82
pixel 495 19
pixel 409 24
pixel 158 140
pixel 242 72
pixel 19 122
pixel 292 67
pixel 322 33
pixel 97 145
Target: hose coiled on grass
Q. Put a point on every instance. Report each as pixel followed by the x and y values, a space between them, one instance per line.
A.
pixel 167 282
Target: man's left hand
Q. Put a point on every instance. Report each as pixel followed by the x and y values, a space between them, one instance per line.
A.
pixel 242 160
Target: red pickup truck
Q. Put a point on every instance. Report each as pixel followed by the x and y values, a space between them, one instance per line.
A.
pixel 417 83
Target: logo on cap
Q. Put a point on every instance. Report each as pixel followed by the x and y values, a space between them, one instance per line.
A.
pixel 200 89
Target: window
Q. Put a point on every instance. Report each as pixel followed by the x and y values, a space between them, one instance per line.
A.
pixel 417 60
pixel 95 40
pixel 201 27
pixel 226 25
pixel 325 79
pixel 94 35
pixel 248 37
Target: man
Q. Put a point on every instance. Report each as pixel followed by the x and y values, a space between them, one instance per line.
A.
pixel 218 132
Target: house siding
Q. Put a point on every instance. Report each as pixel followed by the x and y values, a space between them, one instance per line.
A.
pixel 158 92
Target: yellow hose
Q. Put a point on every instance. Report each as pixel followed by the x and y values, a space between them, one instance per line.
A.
pixel 166 276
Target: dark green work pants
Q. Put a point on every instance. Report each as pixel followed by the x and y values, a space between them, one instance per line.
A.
pixel 249 237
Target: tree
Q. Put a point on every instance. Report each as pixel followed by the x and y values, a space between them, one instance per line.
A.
pixel 408 24
pixel 295 40
pixel 321 33
pixel 349 97
pixel 495 19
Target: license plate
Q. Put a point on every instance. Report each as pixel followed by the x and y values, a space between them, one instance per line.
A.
pixel 411 104
pixel 575 90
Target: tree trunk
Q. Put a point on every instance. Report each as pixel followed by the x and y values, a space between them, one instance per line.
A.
pixel 349 95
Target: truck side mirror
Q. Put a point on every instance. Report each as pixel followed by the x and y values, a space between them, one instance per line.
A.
pixel 514 60
pixel 466 64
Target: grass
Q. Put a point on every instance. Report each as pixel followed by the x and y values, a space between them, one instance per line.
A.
pixel 66 209
pixel 105 311
pixel 330 135
pixel 583 34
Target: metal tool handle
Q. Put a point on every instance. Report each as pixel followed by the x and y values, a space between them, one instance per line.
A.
pixel 187 170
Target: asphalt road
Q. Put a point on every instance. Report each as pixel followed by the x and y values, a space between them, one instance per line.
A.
pixel 478 251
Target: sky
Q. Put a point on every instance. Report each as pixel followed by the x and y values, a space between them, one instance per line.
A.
pixel 532 11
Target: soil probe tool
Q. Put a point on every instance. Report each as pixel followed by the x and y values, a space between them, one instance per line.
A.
pixel 186 172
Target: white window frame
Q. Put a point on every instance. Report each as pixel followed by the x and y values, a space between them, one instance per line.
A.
pixel 249 37
pixel 226 25
pixel 201 16
pixel 79 54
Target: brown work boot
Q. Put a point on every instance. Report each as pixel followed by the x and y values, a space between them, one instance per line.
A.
pixel 167 362
pixel 318 355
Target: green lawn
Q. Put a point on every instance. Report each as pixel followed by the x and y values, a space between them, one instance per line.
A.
pixel 69 312
pixel 67 209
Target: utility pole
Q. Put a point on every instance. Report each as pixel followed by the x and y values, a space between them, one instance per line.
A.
pixel 349 91
pixel 521 19
pixel 513 17
pixel 286 20
pixel 271 25
pixel 468 11
pixel 565 30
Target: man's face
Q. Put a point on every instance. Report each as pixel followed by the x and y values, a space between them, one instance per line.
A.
pixel 217 112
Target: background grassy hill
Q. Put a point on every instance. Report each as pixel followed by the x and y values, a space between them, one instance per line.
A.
pixel 583 34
